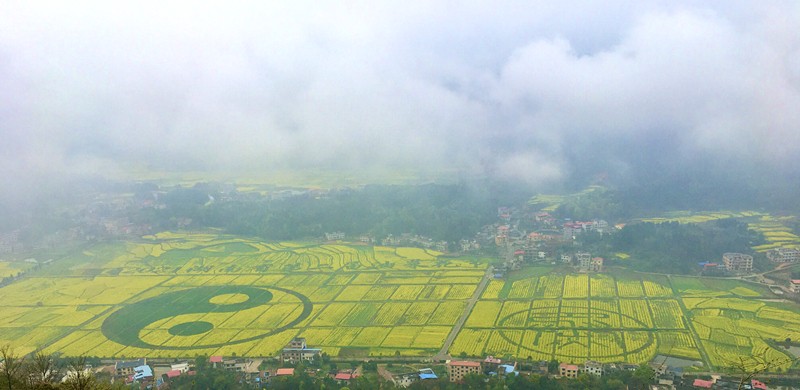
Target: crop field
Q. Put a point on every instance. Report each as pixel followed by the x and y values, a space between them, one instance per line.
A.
pixel 776 231
pixel 179 295
pixel 9 268
pixel 186 294
pixel 700 217
pixel 625 319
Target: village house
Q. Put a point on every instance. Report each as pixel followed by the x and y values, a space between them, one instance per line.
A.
pixel 593 368
pixel 490 364
pixel 406 379
pixel 784 255
pixel 126 368
pixel 297 351
pixel 568 370
pixel 507 369
pixel 595 265
pixel 794 286
pixel 237 365
pixel 456 370
pixel 182 367
pixel 737 262
pixel 344 377
pixel 216 361
pixel 334 236
pixel 584 259
pixel 142 373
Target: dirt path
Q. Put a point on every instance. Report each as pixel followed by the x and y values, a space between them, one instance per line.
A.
pixel 442 355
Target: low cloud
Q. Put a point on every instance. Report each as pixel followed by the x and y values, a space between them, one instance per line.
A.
pixel 533 92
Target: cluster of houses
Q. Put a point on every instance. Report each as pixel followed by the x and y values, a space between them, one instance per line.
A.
pixel 546 241
pixel 159 375
pixel 408 239
pixel 666 377
pixel 716 382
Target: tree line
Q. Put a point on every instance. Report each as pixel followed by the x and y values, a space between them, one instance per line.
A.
pixel 447 212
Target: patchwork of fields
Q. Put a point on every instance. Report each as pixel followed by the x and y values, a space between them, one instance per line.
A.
pixel 629 318
pixel 182 295
pixel 185 294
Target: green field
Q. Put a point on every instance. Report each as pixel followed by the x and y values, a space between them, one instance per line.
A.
pixel 180 295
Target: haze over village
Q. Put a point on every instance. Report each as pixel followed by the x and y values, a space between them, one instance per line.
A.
pixel 387 195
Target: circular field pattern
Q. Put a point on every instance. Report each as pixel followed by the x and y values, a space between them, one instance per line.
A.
pixel 193 317
pixel 191 328
pixel 227 299
pixel 545 320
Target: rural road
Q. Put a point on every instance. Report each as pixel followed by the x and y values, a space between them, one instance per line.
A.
pixel 442 355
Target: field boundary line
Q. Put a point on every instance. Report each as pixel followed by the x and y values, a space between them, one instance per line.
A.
pixel 448 342
pixel 700 347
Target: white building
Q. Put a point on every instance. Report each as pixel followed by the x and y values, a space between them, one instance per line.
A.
pixel 592 367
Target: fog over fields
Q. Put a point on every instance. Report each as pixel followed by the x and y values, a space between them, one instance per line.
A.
pixel 538 92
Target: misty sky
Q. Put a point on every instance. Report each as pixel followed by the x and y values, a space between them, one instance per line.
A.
pixel 539 91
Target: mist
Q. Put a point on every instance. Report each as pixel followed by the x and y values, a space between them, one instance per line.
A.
pixel 538 93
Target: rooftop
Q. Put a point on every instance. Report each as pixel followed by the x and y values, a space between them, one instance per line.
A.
pixel 129 364
pixel 215 359
pixel 492 359
pixel 284 371
pixel 464 363
pixel 703 383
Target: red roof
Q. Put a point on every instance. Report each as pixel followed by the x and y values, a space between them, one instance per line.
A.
pixel 795 281
pixel 758 384
pixel 343 376
pixel 173 373
pixel 465 363
pixel 702 383
pixel 285 371
pixel 520 252
pixel 570 367
pixel 215 359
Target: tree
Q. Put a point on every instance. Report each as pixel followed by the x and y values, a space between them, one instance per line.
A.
pixel 642 377
pixel 43 371
pixel 759 362
pixel 79 377
pixel 474 381
pixel 11 368
pixel 552 366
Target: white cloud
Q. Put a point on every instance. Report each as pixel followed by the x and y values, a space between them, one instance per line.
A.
pixel 513 87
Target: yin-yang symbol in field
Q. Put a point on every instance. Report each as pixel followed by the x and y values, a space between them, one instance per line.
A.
pixel 206 317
